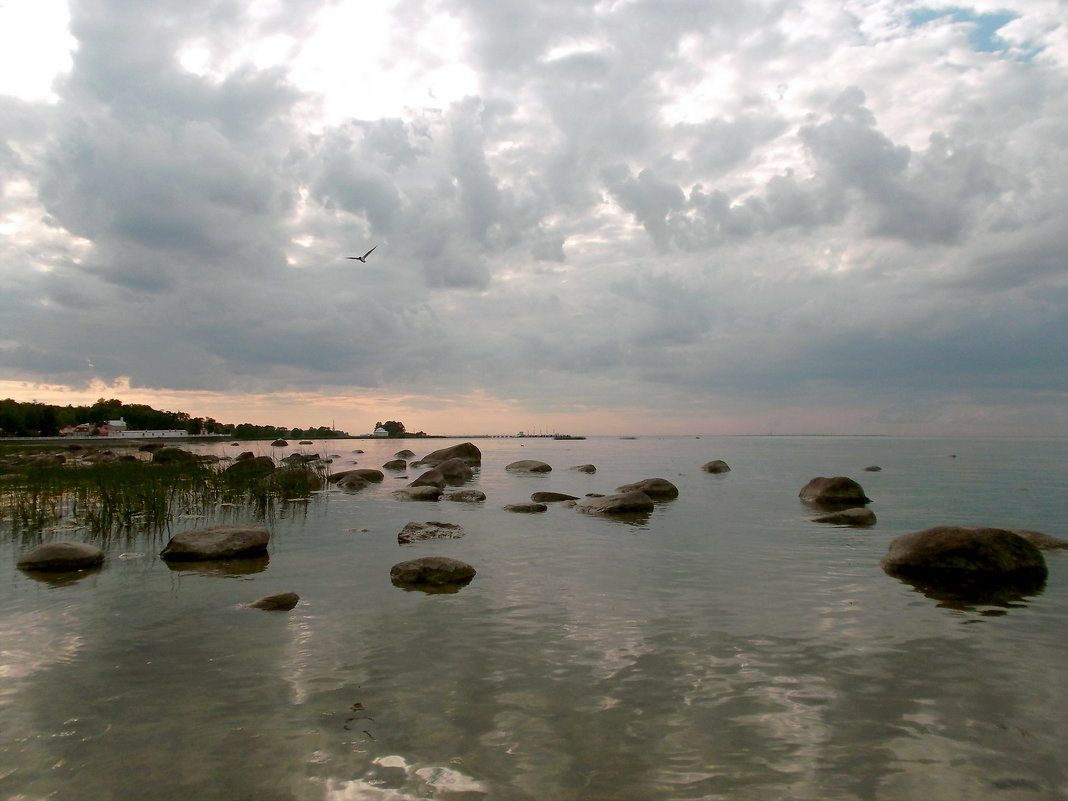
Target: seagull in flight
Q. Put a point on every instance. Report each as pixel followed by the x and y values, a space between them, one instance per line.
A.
pixel 362 258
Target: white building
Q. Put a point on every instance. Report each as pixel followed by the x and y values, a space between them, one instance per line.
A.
pixel 380 432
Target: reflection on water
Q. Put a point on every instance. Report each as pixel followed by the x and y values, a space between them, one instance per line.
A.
pixel 723 649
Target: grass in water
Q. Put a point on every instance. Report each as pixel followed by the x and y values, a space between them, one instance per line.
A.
pixel 41 490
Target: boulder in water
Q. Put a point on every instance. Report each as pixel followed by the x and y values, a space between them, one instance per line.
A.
pixel 836 492
pixel 465 451
pixel 278 602
pixel 622 503
pixel 432 574
pixel 584 468
pixel 430 478
pixel 431 530
pixel 217 542
pixel 659 489
pixel 716 466
pixel 465 496
pixel 526 508
pixel 395 464
pixel 62 556
pixel 967 563
pixel 529 466
pixel 551 497
pixel 424 493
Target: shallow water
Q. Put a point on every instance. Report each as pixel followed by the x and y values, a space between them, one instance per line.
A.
pixel 725 647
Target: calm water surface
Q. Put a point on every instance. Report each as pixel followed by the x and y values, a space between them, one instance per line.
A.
pixel 726 647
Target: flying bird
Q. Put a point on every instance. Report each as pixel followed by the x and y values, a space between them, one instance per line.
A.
pixel 362 258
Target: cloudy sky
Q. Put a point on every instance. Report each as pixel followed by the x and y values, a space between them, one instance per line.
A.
pixel 621 216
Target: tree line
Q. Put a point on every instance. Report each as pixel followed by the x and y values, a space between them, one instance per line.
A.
pixel 33 419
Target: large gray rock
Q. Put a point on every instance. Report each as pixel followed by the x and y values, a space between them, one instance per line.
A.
pixel 427 493
pixel 432 573
pixel 716 466
pixel 963 562
pixel 217 542
pixel 836 492
pixel 61 557
pixel 854 516
pixel 465 451
pixel 431 530
pixel 622 503
pixel 658 489
pixel 529 466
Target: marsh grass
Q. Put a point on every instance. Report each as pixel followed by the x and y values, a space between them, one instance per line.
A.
pixel 139 495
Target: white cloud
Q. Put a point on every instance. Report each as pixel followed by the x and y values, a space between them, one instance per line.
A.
pixel 579 206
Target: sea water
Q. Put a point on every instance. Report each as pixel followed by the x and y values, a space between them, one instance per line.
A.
pixel 723 647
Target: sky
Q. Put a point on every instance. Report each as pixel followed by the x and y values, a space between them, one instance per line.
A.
pixel 611 217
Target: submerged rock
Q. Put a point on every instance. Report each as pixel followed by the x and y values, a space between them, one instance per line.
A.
pixel 854 516
pixel 217 542
pixel 872 468
pixel 833 492
pixel 716 466
pixel 63 556
pixel 658 489
pixel 529 466
pixel 584 468
pixel 278 602
pixel 395 464
pixel 431 530
pixel 404 454
pixel 432 573
pixel 353 483
pixel 967 563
